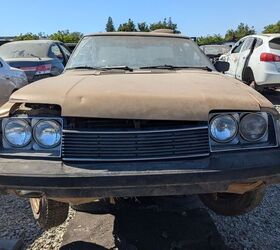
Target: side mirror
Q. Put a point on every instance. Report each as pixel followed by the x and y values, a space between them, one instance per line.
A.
pixel 222 66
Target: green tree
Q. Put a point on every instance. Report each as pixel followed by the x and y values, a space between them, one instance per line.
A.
pixel 241 31
pixel 165 25
pixel 110 25
pixel 66 36
pixel 272 28
pixel 27 36
pixel 127 27
pixel 143 27
pixel 214 39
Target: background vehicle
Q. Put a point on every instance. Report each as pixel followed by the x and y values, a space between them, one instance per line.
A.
pixel 255 60
pixel 39 58
pixel 71 46
pixel 11 79
pixel 214 51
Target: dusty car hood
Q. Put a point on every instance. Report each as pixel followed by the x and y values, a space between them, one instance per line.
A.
pixel 185 95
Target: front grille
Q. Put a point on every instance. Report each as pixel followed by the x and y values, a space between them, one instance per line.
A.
pixel 135 144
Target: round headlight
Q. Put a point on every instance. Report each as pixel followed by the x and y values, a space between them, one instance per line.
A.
pixel 253 127
pixel 47 133
pixel 223 128
pixel 17 133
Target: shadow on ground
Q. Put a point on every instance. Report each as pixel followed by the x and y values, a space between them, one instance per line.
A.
pixel 153 224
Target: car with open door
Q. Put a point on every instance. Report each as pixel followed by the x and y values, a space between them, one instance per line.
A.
pixel 255 60
pixel 38 58
pixel 138 114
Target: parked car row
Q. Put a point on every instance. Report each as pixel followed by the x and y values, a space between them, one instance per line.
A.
pixel 39 58
pixel 23 62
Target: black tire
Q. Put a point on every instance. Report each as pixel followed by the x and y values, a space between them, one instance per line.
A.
pixel 101 206
pixel 49 213
pixel 233 204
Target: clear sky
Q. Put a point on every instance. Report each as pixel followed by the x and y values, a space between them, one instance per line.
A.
pixel 194 17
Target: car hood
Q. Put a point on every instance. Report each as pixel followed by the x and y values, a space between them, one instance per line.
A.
pixel 182 95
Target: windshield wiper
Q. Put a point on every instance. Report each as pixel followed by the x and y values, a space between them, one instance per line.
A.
pixel 82 67
pixel 173 67
pixel 102 68
pixel 30 54
pixel 118 67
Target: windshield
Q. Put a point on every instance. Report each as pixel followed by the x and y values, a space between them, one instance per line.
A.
pixel 137 52
pixel 23 50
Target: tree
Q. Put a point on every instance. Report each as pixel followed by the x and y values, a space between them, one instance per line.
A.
pixel 165 25
pixel 110 25
pixel 241 31
pixel 143 27
pixel 127 27
pixel 66 36
pixel 27 36
pixel 272 28
pixel 215 39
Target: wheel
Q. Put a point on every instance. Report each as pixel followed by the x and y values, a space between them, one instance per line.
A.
pixel 102 206
pixel 49 213
pixel 233 204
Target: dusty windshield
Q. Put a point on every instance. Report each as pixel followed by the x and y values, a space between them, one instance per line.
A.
pixel 136 52
pixel 23 50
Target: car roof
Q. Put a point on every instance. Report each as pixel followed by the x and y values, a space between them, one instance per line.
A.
pixel 35 41
pixel 264 36
pixel 146 34
pixel 271 35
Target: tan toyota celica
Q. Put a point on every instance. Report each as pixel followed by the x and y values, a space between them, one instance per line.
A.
pixel 138 114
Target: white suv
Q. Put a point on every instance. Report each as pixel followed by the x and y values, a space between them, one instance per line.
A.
pixel 255 60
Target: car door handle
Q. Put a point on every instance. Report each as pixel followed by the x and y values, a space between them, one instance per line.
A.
pixel 7 78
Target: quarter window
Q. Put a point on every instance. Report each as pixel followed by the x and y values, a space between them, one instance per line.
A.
pixel 56 52
pixel 259 43
pixel 275 43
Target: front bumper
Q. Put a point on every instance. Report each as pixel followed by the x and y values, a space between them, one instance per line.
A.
pixel 191 176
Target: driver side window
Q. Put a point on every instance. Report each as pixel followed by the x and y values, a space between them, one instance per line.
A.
pixel 237 48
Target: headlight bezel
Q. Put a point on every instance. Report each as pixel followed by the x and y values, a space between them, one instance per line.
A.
pixel 33 148
pixel 269 140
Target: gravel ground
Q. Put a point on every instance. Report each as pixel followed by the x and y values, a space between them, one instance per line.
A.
pixel 259 229
pixel 17 222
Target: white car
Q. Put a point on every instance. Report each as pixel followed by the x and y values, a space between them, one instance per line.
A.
pixel 255 60
pixel 11 79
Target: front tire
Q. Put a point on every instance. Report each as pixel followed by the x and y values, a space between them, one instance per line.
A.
pixel 233 204
pixel 49 213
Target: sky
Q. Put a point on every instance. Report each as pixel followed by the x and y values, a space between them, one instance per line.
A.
pixel 194 18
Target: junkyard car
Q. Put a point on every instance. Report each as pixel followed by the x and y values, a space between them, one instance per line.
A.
pixel 39 58
pixel 215 51
pixel 255 60
pixel 11 79
pixel 138 114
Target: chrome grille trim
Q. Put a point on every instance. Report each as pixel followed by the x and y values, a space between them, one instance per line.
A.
pixel 135 145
